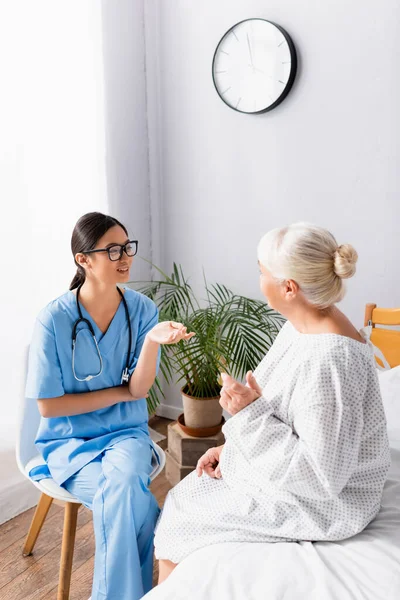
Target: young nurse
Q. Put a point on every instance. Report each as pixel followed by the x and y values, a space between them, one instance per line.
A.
pixel 93 358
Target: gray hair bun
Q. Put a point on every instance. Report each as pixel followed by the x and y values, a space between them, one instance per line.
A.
pixel 344 261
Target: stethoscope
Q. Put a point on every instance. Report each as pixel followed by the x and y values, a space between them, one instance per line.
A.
pixel 125 372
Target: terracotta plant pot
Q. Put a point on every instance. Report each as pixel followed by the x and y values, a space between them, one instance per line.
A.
pixel 201 412
pixel 199 431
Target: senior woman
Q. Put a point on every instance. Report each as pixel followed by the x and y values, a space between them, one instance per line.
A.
pixel 306 452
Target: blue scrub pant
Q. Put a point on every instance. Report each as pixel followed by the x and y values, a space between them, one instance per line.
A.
pixel 115 487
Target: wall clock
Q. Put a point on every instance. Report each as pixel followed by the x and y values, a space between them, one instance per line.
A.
pixel 254 66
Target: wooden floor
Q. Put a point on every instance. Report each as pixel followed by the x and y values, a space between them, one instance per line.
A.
pixel 36 577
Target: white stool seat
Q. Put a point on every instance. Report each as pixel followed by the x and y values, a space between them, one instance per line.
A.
pixel 49 486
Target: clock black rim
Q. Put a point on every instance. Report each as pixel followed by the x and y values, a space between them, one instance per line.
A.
pixel 293 69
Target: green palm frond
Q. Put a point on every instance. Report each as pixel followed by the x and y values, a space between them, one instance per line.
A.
pixel 220 294
pixel 172 294
pixel 233 333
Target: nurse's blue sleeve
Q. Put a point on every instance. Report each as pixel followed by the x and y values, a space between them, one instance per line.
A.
pixel 148 320
pixel 44 371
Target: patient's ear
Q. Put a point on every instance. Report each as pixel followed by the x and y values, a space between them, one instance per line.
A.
pixel 291 289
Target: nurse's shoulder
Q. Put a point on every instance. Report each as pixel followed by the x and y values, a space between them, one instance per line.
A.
pixel 51 312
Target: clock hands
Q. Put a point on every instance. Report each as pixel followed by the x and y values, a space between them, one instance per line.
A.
pixel 251 56
pixel 252 62
pixel 261 71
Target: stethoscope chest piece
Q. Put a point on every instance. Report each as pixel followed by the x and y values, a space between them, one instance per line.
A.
pixel 125 376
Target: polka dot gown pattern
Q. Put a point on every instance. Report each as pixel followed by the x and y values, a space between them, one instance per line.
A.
pixel 306 461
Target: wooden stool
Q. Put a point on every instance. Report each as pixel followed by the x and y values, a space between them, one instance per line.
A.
pixel 54 493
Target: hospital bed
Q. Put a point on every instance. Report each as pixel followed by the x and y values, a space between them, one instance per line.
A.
pixel 364 567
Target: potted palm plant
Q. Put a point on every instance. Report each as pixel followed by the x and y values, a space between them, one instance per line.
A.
pixel 233 333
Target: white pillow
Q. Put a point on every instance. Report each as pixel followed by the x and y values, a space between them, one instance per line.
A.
pixel 389 381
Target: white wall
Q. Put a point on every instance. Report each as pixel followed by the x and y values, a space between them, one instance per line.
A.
pixel 73 139
pixel 328 154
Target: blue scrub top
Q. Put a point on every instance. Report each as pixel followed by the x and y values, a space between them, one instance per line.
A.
pixel 69 443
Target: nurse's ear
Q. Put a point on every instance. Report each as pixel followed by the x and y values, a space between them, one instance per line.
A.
pixel 82 260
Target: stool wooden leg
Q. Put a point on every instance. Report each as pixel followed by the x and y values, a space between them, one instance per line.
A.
pixel 38 519
pixel 67 549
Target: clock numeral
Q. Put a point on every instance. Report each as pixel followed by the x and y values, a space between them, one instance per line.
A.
pixel 237 104
pixel 227 53
pixel 279 45
pixel 227 90
pixel 235 35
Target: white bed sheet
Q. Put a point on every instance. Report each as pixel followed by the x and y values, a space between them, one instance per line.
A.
pixel 365 567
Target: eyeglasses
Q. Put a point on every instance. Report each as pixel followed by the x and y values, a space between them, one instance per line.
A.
pixel 115 252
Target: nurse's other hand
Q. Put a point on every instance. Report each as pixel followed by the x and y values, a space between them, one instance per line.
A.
pixel 235 396
pixel 169 332
pixel 209 463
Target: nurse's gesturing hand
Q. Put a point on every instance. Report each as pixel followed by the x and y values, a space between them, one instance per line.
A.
pixel 169 332
pixel 166 332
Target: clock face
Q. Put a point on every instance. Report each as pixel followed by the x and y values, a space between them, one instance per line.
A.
pixel 254 66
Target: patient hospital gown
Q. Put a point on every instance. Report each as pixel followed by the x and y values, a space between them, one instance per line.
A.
pixel 306 461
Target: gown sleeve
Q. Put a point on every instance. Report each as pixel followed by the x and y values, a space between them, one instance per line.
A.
pixel 44 371
pixel 316 455
pixel 148 319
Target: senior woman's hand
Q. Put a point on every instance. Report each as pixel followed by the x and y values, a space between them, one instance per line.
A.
pixel 235 396
pixel 209 463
